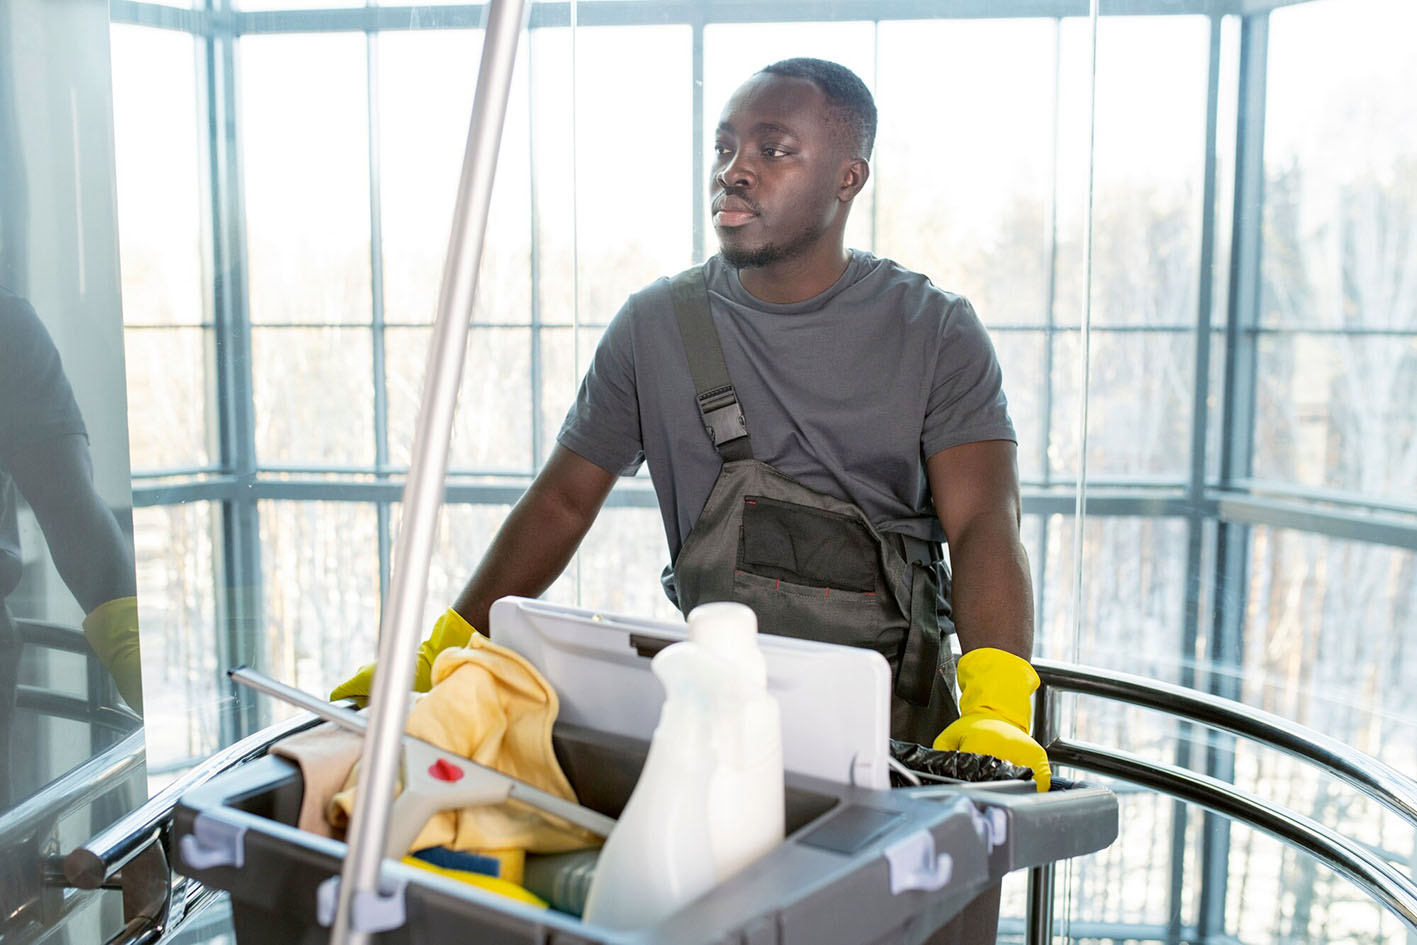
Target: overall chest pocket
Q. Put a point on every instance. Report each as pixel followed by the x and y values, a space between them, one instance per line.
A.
pixel 817 574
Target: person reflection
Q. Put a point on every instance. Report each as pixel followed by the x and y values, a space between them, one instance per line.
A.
pixel 44 458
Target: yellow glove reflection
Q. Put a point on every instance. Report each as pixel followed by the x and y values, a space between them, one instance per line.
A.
pixel 112 631
pixel 450 630
pixel 994 686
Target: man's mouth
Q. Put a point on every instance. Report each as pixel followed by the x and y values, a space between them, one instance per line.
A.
pixel 733 211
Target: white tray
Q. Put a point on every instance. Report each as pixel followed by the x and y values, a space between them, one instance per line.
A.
pixel 835 700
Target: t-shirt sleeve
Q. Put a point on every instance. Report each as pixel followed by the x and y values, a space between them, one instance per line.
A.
pixel 603 424
pixel 966 403
pixel 36 402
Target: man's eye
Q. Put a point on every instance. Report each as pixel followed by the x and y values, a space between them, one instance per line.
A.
pixel 774 152
pixel 722 150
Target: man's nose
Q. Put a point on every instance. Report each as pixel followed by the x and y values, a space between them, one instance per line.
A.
pixel 736 173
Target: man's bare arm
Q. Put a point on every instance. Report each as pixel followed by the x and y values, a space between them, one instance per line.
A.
pixel 540 535
pixel 976 495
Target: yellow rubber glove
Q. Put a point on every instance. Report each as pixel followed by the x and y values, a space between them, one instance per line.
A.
pixel 994 686
pixel 450 630
pixel 112 631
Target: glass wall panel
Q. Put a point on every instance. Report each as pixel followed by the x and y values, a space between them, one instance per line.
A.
pixel 304 109
pixel 320 574
pixel 964 173
pixel 425 84
pixel 1139 405
pixel 182 652
pixel 156 145
pixel 492 427
pixel 313 396
pixel 168 389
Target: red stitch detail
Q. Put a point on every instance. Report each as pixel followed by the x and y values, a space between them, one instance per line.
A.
pixel 750 501
pixel 827 592
pixel 778 585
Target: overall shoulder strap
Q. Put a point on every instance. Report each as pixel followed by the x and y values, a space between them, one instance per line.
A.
pixel 718 402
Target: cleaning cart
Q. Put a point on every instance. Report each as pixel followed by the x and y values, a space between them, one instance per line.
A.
pixel 862 862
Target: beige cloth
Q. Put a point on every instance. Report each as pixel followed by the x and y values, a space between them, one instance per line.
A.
pixel 326 754
pixel 490 705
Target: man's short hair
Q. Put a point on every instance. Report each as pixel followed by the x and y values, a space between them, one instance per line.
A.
pixel 846 95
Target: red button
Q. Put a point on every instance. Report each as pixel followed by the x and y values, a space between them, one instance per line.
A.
pixel 445 771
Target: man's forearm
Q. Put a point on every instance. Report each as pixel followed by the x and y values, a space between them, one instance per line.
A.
pixel 529 552
pixel 993 591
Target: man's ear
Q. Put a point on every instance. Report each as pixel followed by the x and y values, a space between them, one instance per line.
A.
pixel 854 175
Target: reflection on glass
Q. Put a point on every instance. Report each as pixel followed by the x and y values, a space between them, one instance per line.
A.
pixel 71 690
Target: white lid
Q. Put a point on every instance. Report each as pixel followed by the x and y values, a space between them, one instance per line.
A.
pixel 729 630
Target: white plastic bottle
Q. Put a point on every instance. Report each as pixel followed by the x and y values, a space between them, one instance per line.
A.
pixel 710 798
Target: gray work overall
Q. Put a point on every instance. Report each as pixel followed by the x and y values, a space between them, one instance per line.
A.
pixel 809 565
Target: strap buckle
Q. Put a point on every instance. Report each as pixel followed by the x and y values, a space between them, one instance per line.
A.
pixel 723 416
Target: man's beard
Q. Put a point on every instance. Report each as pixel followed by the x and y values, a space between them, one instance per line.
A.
pixel 771 253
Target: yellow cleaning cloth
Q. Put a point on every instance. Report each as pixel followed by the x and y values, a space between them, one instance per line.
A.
pixel 492 706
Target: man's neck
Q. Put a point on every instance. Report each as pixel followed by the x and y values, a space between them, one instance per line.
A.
pixel 796 279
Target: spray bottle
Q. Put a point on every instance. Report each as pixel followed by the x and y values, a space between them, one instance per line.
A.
pixel 710 798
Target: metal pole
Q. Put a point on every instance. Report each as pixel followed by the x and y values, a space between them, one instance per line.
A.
pixel 1042 880
pixel 423 495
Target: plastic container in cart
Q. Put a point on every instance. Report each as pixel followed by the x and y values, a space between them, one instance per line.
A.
pixel 862 863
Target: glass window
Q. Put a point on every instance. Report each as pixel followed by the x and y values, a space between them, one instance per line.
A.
pixel 314 396
pixel 426 81
pixel 305 177
pixel 182 651
pixel 320 574
pixel 158 164
pixel 492 426
pixel 964 158
pixel 1139 405
pixel 168 392
pixel 1340 149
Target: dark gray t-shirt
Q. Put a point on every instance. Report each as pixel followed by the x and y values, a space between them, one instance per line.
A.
pixel 848 392
pixel 36 404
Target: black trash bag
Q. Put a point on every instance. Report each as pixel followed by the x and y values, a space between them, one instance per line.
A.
pixel 960 765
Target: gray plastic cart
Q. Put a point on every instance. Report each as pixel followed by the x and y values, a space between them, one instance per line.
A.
pixel 859 865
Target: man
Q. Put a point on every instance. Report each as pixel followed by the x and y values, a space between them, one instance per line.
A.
pixel 854 419
pixel 858 381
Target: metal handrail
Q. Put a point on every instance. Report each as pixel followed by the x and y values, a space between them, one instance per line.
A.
pixel 77 787
pixel 93 864
pixel 1376 779
pixel 1368 871
pixel 1373 777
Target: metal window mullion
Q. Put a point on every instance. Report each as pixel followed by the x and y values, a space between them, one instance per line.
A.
pixel 239 628
pixel 1237 441
pixel 1211 892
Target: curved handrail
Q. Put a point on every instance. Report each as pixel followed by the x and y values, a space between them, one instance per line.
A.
pixel 76 787
pixel 1371 873
pixel 93 864
pixel 1373 777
